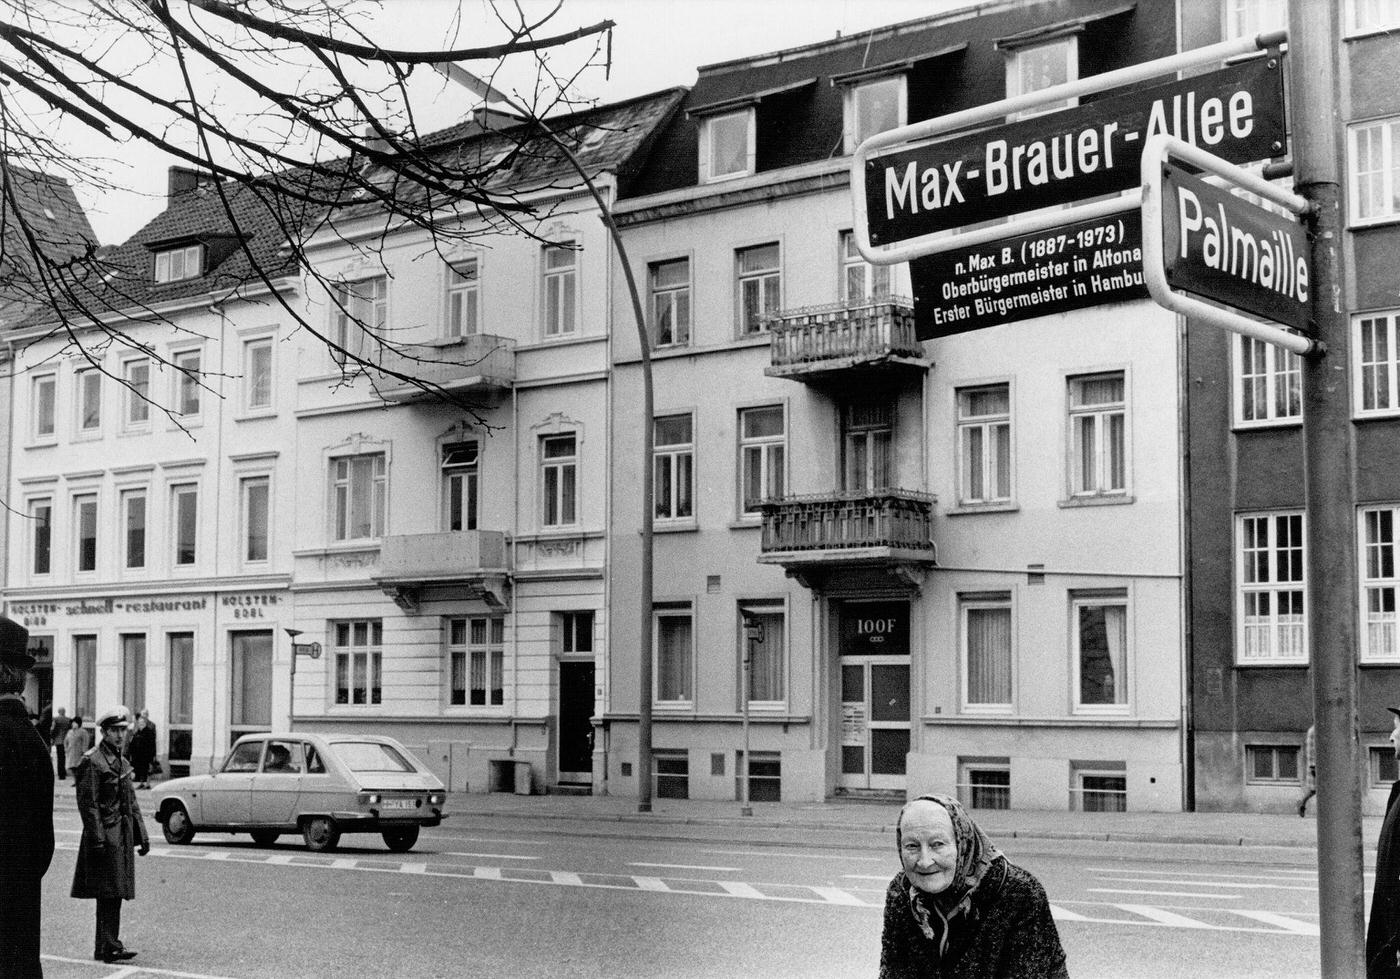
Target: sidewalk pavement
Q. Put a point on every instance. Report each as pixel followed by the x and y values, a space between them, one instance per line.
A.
pixel 877 818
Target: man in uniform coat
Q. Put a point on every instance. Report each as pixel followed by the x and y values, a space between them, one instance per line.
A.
pixel 26 811
pixel 112 829
pixel 1383 932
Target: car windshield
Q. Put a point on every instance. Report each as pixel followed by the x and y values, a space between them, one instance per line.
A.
pixel 367 756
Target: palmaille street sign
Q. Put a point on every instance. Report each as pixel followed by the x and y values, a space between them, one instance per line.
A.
pixel 1094 148
pixel 1218 245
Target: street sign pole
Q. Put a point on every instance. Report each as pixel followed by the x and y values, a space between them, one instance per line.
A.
pixel 1331 528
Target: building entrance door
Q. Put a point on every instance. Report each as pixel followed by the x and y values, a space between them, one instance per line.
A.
pixel 875 718
pixel 575 722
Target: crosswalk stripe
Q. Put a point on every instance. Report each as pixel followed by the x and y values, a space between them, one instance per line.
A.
pixel 566 877
pixel 651 884
pixel 414 868
pixel 1163 917
pixel 835 895
pixel 1280 921
pixel 740 889
pixel 486 873
pixel 1064 914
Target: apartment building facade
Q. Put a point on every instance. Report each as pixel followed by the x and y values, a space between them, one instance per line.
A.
pixel 1251 690
pixel 957 560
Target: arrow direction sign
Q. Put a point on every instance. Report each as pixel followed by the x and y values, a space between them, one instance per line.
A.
pixel 1236 113
pixel 1220 246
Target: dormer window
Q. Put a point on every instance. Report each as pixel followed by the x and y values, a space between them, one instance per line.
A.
pixel 176 264
pixel 727 145
pixel 874 107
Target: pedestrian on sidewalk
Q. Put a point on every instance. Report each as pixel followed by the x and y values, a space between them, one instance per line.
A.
pixel 959 907
pixel 112 828
pixel 75 745
pixel 1309 770
pixel 26 812
pixel 141 749
pixel 57 734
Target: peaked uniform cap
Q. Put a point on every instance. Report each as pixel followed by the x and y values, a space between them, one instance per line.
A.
pixel 117 716
pixel 14 644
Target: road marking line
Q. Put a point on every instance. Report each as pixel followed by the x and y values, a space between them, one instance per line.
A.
pixel 651 884
pixel 344 863
pixel 681 866
pixel 740 889
pixel 487 856
pixel 835 895
pixel 774 850
pixel 868 876
pixel 1281 875
pixel 566 877
pixel 1209 883
pixel 1064 914
pixel 281 859
pixel 1164 917
pixel 413 868
pixel 217 855
pixel 1125 890
pixel 1281 921
pixel 133 969
pixel 484 873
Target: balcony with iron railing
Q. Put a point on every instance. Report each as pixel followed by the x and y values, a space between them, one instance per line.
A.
pixel 817 344
pixel 886 528
pixel 471 364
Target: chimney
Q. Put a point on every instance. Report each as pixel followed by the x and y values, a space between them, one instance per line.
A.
pixel 182 180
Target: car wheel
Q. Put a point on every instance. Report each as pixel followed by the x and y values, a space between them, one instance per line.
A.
pixel 177 827
pixel 321 833
pixel 401 840
pixel 265 837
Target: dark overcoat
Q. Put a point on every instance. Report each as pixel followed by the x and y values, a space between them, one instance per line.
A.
pixel 1009 934
pixel 26 838
pixel 110 814
pixel 1383 931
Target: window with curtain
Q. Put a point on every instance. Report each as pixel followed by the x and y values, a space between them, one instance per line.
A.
pixel 89 383
pixel 984 444
pixel 134 672
pixel 1272 585
pixel 461 476
pixel 85 522
pixel 136 375
pixel 559 480
pixel 1377 376
pixel 187 382
pixel 358 487
pixel 359 313
pixel 669 285
pixel 1101 652
pixel 356 651
pixel 868 432
pixel 675 645
pixel 43 396
pixel 758 286
pixel 254 493
pixel 767 651
pixel 133 505
pixel 762 447
pixel 1098 443
pixel 250 681
pixel 1270 383
pixel 673 467
pixel 41 535
pixel 184 505
pixel 986 634
pixel 861 282
pixel 1378 585
pixel 85 676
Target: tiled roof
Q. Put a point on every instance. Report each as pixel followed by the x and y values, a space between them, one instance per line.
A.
pixel 55 219
pixel 609 138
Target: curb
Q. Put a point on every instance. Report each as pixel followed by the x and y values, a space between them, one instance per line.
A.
pixel 885 831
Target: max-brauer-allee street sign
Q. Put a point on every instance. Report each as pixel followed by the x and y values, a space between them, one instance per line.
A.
pixel 1095 148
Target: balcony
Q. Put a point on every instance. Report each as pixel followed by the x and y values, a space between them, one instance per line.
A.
pixel 451 565
pixel 844 343
pixel 884 530
pixel 471 365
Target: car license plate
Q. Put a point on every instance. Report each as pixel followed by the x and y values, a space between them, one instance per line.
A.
pixel 399 804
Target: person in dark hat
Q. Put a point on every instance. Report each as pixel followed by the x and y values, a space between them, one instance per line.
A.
pixel 26 811
pixel 1383 931
pixel 112 828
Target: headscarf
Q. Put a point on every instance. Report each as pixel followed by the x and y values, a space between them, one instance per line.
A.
pixel 937 914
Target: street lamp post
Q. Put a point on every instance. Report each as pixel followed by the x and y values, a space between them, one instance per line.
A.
pixel 292 684
pixel 753 635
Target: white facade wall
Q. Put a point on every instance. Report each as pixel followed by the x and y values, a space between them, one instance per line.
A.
pixel 1131 547
pixel 220 594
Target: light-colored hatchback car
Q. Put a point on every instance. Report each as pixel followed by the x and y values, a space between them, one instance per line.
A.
pixel 319 785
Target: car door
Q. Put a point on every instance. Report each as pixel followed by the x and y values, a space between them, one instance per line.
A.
pixel 277 785
pixel 228 796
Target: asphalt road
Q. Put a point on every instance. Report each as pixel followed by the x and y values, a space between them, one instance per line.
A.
pixel 565 898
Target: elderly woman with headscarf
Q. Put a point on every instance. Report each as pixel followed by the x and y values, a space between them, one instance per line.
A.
pixel 959 907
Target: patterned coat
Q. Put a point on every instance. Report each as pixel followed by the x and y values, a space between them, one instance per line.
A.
pixel 107 804
pixel 1010 935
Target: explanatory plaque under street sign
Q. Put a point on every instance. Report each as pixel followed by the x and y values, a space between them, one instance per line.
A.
pixel 1087 263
